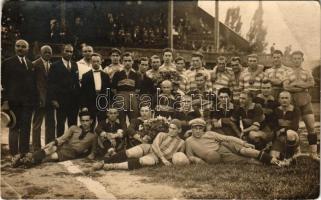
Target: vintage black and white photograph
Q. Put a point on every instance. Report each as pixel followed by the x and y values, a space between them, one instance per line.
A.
pixel 168 99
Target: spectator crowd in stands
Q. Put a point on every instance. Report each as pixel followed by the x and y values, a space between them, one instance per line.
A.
pixel 113 28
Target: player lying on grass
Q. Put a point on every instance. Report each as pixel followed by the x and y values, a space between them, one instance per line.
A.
pixel 74 143
pixel 212 147
pixel 164 146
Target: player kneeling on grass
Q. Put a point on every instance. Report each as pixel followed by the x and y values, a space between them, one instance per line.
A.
pixel 164 146
pixel 75 142
pixel 212 147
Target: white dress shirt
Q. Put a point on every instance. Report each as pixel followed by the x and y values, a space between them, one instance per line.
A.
pixel 83 67
pixel 66 63
pixel 24 60
pixel 46 64
pixel 97 79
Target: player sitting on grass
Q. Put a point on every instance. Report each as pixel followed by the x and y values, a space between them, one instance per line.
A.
pixel 163 148
pixel 111 136
pixel 212 147
pixel 286 124
pixel 76 141
pixel 219 120
pixel 250 115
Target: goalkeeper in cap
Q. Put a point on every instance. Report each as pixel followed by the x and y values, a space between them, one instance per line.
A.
pixel 211 147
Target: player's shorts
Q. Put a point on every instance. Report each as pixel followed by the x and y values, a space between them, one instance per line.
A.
pixel 139 151
pixel 66 153
pixel 144 153
pixel 230 153
pixel 303 101
pixel 306 109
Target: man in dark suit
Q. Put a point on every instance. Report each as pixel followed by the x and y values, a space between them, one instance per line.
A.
pixel 64 89
pixel 95 83
pixel 148 86
pixel 44 108
pixel 18 81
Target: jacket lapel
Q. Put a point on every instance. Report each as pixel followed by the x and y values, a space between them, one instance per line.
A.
pixel 42 67
pixel 92 81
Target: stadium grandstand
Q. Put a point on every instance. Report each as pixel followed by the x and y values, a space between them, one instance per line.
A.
pixel 139 25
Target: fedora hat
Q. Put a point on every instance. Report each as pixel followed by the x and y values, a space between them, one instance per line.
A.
pixel 8 119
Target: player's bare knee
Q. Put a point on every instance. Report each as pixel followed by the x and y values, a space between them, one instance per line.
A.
pixel 292 136
pixel 254 135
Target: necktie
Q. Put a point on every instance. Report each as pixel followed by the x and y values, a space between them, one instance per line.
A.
pixel 47 66
pixel 68 66
pixel 24 63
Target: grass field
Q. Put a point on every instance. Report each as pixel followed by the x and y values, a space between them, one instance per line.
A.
pixel 241 181
pixel 221 181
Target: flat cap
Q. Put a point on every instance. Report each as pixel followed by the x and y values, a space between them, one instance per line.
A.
pixel 197 122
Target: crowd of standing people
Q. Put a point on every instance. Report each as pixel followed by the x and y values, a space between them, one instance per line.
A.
pixel 224 114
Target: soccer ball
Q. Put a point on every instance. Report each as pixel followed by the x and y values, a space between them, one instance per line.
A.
pixel 180 158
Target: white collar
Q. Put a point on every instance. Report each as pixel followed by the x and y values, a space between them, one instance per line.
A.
pixel 44 61
pixel 97 69
pixel 23 57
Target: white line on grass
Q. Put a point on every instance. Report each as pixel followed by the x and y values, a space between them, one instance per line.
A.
pixel 94 186
pixel 18 196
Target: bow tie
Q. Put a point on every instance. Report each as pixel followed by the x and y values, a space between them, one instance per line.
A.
pixel 96 71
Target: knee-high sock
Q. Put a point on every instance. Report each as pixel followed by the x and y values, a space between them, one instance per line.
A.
pixel 312 139
pixel 134 164
pixel 117 158
pixel 264 158
pixel 38 156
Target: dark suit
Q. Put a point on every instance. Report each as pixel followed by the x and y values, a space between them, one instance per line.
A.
pixel 64 88
pixel 19 89
pixel 148 89
pixel 45 108
pixel 89 94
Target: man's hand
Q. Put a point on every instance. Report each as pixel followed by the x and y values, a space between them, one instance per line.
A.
pixel 166 162
pixel 248 145
pixel 91 156
pixel 55 104
pixel 146 138
pixel 5 106
pixel 120 133
pixel 49 145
